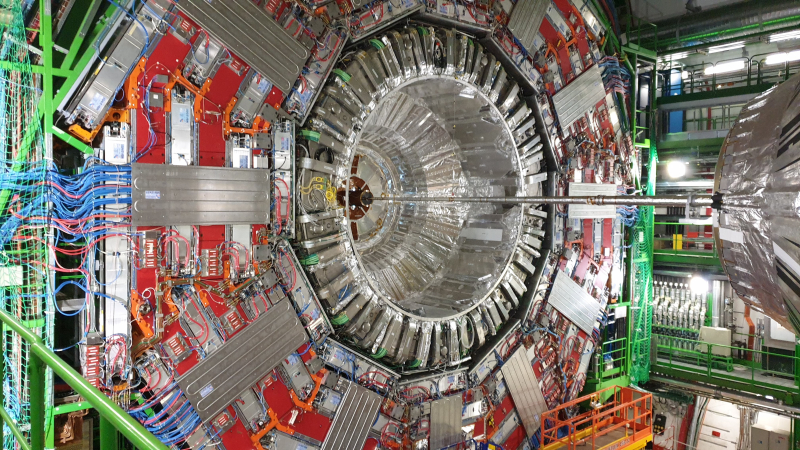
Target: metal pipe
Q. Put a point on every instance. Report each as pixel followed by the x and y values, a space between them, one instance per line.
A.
pixel 22 441
pixel 664 200
pixel 713 25
pixel 688 184
pixel 716 304
pixel 123 422
pixel 739 399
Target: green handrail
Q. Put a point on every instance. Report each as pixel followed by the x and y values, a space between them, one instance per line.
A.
pixel 40 355
pixel 602 374
pixel 710 358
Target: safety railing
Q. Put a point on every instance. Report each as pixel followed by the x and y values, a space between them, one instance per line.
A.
pixel 715 361
pixel 623 420
pixel 734 73
pixel 112 417
pixel 713 118
pixel 634 33
pixel 612 360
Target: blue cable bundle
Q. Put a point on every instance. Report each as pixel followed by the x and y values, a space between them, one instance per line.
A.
pixel 629 215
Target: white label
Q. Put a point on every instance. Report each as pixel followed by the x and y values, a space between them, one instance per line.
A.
pixel 731 235
pixel 206 390
pixel 98 100
pixel 483 234
pixel 152 195
pixel 119 151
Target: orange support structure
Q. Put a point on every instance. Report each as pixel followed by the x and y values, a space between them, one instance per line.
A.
pixel 624 422
pixel 306 405
pixel 131 90
pixel 274 423
pixel 258 126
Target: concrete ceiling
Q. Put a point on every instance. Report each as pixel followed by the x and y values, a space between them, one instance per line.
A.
pixel 658 10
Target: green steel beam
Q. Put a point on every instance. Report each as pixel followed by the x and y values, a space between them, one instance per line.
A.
pixel 54 71
pixel 795 434
pixel 86 57
pixel 75 45
pixel 686 257
pixel 130 428
pixel 3 413
pixel 46 42
pixel 73 141
pixel 693 144
pixel 38 402
pixel 639 50
pixel 730 382
pixel 19 67
pixel 594 385
pixel 109 438
pixel 717 93
pixel 12 425
pixel 757 28
pixel 71 407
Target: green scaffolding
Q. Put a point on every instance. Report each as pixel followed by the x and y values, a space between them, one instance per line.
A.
pixel 25 269
pixel 641 284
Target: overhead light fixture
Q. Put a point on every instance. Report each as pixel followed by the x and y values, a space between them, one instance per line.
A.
pixel 698 285
pixel 727 67
pixel 726 47
pixel 675 56
pixel 780 58
pixel 676 169
pixel 778 37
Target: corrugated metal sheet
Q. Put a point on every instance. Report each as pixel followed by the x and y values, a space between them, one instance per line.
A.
pixel 193 195
pixel 525 391
pixel 574 303
pixel 592 211
pixel 217 380
pixel 526 18
pixel 446 422
pixel 252 35
pixel 353 420
pixel 578 97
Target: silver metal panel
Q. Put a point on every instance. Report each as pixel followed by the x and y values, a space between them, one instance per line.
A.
pixel 446 422
pixel 252 35
pixel 592 211
pixel 251 97
pixel 217 380
pixel 353 420
pixel 525 391
pixel 574 303
pixel 282 441
pixel 578 97
pixel 526 18
pixel 192 195
pixel 92 103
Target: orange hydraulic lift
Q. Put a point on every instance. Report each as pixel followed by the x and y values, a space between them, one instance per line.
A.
pixel 624 422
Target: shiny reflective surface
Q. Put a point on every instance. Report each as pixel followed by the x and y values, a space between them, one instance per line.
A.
pixel 435 137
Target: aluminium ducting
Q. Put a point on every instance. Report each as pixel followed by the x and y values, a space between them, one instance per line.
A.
pixel 717 24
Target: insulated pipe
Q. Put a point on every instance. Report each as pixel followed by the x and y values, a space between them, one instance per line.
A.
pixel 711 25
pixel 716 304
pixel 697 200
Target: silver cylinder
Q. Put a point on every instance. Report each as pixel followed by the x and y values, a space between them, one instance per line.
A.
pixel 699 200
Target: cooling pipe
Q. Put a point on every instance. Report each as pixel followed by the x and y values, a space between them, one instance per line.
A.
pixel 717 24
